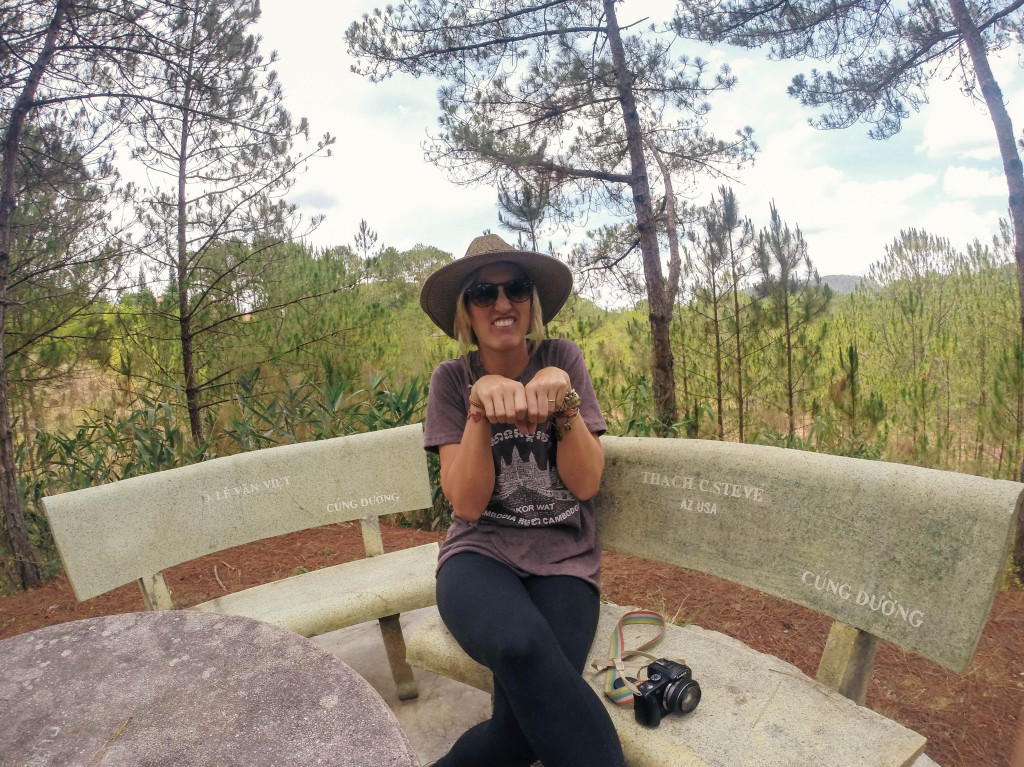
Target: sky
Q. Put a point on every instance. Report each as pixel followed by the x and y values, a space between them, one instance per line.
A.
pixel 850 195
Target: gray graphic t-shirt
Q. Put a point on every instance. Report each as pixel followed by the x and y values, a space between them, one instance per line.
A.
pixel 532 523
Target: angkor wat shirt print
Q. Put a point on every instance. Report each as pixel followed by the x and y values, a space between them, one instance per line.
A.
pixel 528 491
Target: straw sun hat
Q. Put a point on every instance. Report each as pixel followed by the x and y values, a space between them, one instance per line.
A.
pixel 440 293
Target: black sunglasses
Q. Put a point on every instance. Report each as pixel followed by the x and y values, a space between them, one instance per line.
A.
pixel 484 294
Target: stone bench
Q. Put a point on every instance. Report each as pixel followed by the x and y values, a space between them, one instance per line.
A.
pixel 909 555
pixel 131 530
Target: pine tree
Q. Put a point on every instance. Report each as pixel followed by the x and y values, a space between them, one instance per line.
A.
pixel 562 95
pixel 708 270
pixel 365 240
pixel 220 137
pixel 915 283
pixel 522 210
pixel 65 68
pixel 793 297
pixel 722 261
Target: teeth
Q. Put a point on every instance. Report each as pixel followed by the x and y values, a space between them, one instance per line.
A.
pixel 504 323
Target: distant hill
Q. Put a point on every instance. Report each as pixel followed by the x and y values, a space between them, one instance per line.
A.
pixel 841 283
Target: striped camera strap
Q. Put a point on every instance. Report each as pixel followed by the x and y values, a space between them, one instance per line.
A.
pixel 622 692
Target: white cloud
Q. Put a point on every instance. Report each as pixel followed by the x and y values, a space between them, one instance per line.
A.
pixel 313 199
pixel 956 127
pixel 847 213
pixel 959 221
pixel 847 223
pixel 378 171
pixel 851 196
pixel 957 124
pixel 968 183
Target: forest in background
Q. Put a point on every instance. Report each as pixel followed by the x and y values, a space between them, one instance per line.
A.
pixel 176 315
pixel 919 364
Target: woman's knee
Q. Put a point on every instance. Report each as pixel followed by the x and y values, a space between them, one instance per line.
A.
pixel 524 648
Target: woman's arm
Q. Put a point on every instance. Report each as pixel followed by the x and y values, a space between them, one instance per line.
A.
pixel 580 457
pixel 464 446
pixel 467 467
pixel 467 470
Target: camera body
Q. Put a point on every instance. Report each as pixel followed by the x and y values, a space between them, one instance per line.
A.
pixel 669 688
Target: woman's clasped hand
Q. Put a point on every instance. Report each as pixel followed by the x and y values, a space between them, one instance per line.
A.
pixel 505 400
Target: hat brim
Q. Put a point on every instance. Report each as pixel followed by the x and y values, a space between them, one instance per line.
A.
pixel 440 294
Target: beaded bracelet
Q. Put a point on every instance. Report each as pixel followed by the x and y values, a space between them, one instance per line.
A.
pixel 472 415
pixel 570 402
pixel 571 416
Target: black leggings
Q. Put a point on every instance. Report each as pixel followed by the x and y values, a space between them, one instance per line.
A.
pixel 534 634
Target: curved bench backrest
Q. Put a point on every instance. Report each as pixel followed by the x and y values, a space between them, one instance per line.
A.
pixel 910 555
pixel 119 532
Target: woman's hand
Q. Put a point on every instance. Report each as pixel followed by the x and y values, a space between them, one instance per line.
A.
pixel 544 393
pixel 503 401
pixel 580 458
pixel 507 401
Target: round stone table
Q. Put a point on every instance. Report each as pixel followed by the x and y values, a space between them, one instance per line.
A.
pixel 190 689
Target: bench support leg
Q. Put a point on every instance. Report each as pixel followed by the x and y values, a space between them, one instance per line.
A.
pixel 394 645
pixel 847 660
pixel 155 593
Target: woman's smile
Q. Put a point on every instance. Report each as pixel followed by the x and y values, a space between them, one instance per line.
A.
pixel 502 326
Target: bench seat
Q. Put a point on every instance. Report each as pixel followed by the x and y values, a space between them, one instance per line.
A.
pixel 342 595
pixel 756 710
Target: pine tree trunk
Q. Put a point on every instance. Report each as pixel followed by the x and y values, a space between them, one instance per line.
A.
pixel 854 386
pixel 1014 171
pixel 185 330
pixel 719 383
pixel 14 515
pixel 790 404
pixel 188 365
pixel 739 341
pixel 660 295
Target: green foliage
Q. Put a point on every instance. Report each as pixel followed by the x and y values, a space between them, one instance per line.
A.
pixel 155 437
pixel 359 360
pixel 365 239
pixel 792 299
pixel 1003 415
pixel 634 414
pixel 388 408
pixel 914 279
pixel 718 321
pixel 523 210
pixel 63 257
pixel 219 136
pixel 825 436
pixel 860 415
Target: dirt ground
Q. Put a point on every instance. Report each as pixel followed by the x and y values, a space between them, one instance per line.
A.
pixel 970 720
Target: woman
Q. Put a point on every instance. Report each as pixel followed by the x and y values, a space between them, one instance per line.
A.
pixel 516 424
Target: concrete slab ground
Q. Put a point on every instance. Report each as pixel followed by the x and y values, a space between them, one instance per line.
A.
pixel 445 708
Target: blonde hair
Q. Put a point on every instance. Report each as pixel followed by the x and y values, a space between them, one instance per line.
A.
pixel 464 328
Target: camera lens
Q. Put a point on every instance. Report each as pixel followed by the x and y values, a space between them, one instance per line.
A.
pixel 682 696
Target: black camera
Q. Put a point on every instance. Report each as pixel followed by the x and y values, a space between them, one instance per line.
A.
pixel 669 688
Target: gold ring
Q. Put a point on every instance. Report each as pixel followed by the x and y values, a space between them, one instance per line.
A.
pixel 552 400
